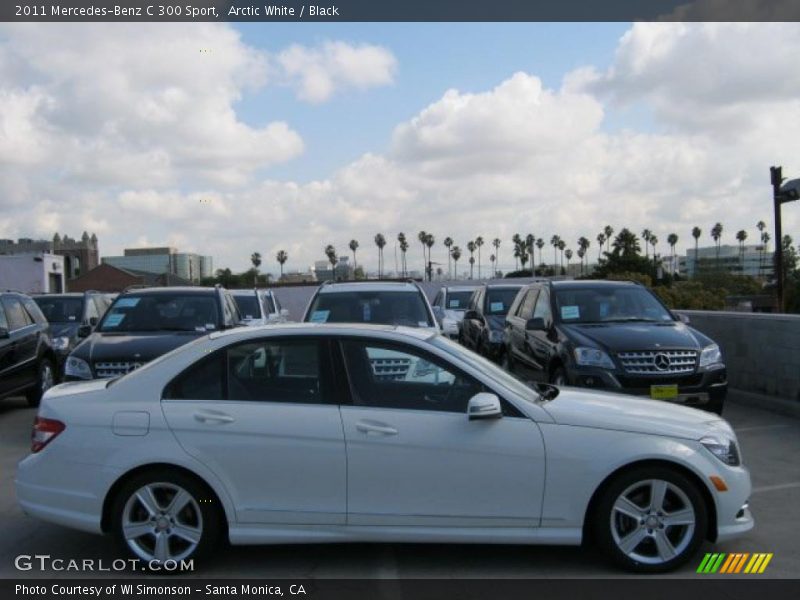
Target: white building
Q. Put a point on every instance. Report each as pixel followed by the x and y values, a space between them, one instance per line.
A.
pixel 40 273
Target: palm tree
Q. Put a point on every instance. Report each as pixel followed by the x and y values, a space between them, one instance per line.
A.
pixel 760 226
pixel 716 234
pixel 422 236
pixel 353 247
pixel 601 239
pixel 765 242
pixel 583 246
pixel 471 247
pixel 403 249
pixel 330 252
pixel 429 242
pixel 540 245
pixel 380 242
pixel 478 244
pixel 456 253
pixel 646 237
pixel 448 243
pixel 608 230
pixel 672 240
pixel 581 253
pixel 282 257
pixel 654 243
pixel 554 243
pixel 568 254
pixel 255 258
pixel 492 258
pixel 696 233
pixel 530 241
pixel 496 244
pixel 741 236
pixel 626 243
pixel 561 245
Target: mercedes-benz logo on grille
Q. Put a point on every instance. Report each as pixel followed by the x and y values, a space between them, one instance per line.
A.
pixel 661 361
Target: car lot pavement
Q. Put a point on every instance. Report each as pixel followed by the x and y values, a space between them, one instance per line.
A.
pixel 770 447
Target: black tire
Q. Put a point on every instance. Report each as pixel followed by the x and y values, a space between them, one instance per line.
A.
pixel 558 376
pixel 614 528
pixel 45 378
pixel 201 516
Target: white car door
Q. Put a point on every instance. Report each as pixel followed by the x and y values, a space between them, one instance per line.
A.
pixel 414 457
pixel 262 415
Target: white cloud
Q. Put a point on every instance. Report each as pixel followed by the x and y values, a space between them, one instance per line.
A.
pixel 319 72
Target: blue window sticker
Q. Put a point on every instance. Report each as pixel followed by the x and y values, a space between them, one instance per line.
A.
pixel 114 320
pixel 127 302
pixel 604 309
pixel 367 313
pixel 570 312
pixel 320 316
pixel 496 307
pixel 454 303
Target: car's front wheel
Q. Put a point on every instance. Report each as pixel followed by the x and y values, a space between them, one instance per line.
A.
pixel 651 519
pixel 166 515
pixel 45 378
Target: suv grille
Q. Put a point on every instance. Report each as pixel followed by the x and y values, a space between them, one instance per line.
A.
pixel 389 369
pixel 659 362
pixel 114 369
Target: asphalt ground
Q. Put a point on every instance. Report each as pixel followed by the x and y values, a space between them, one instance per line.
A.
pixel 770 447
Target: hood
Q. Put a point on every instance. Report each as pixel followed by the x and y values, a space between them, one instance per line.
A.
pixel 622 337
pixel 139 346
pixel 69 330
pixel 602 410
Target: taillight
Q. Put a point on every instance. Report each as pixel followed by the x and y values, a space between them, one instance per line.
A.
pixel 44 431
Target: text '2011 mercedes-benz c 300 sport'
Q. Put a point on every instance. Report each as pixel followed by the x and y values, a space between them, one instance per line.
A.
pixel 304 433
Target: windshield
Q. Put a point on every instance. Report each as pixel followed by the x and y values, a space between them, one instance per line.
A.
pixel 610 305
pixel 61 309
pixel 248 306
pixel 383 308
pixel 499 300
pixel 161 312
pixel 458 300
pixel 486 366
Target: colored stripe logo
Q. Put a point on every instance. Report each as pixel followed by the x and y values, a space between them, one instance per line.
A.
pixel 735 562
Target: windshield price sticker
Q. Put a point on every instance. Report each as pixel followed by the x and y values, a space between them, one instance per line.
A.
pixel 455 303
pixel 127 302
pixel 320 316
pixel 114 320
pixel 570 312
pixel 496 307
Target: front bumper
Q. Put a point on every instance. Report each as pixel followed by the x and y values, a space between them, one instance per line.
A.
pixel 702 389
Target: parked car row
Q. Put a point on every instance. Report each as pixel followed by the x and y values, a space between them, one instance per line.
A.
pixel 400 433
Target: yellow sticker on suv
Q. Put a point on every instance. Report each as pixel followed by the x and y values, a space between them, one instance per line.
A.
pixel 664 392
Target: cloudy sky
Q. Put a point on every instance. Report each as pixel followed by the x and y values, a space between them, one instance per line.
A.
pixel 227 139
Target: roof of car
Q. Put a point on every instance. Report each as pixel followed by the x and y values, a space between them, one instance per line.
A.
pixel 373 286
pixel 585 283
pixel 171 290
pixel 461 288
pixel 498 286
pixel 318 328
pixel 64 295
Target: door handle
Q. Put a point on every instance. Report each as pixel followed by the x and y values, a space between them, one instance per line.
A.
pixel 210 417
pixel 373 428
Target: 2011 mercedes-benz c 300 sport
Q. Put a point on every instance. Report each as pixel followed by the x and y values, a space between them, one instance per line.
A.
pixel 309 433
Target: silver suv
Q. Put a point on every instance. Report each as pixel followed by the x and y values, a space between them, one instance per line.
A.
pixel 259 307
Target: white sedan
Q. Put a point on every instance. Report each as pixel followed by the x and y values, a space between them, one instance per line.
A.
pixel 293 433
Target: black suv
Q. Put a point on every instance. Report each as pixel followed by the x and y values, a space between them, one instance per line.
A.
pixel 27 359
pixel 481 328
pixel 613 335
pixel 72 317
pixel 143 324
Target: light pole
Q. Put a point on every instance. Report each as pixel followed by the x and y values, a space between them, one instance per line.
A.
pixel 781 194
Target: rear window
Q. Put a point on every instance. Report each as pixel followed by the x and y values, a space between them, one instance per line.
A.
pixel 499 300
pixel 161 312
pixel 458 300
pixel 383 308
pixel 61 310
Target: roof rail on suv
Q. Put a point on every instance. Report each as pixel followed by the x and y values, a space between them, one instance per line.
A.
pixel 136 286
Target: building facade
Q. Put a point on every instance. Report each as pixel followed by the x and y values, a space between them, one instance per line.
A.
pixel 188 266
pixel 80 255
pixel 754 261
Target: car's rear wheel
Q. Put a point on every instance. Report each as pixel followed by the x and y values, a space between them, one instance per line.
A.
pixel 45 377
pixel 650 519
pixel 165 515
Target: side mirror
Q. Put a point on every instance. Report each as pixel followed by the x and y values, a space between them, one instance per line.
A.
pixel 4 333
pixel 84 331
pixel 682 318
pixel 536 324
pixel 484 406
pixel 92 321
pixel 472 315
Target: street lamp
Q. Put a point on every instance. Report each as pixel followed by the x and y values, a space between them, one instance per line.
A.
pixel 781 194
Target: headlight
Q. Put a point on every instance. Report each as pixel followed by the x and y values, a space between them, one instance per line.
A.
pixel 497 337
pixel 592 357
pixel 60 343
pixel 710 355
pixel 77 367
pixel 723 449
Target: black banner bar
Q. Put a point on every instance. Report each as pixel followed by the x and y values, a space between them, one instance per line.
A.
pixel 398 10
